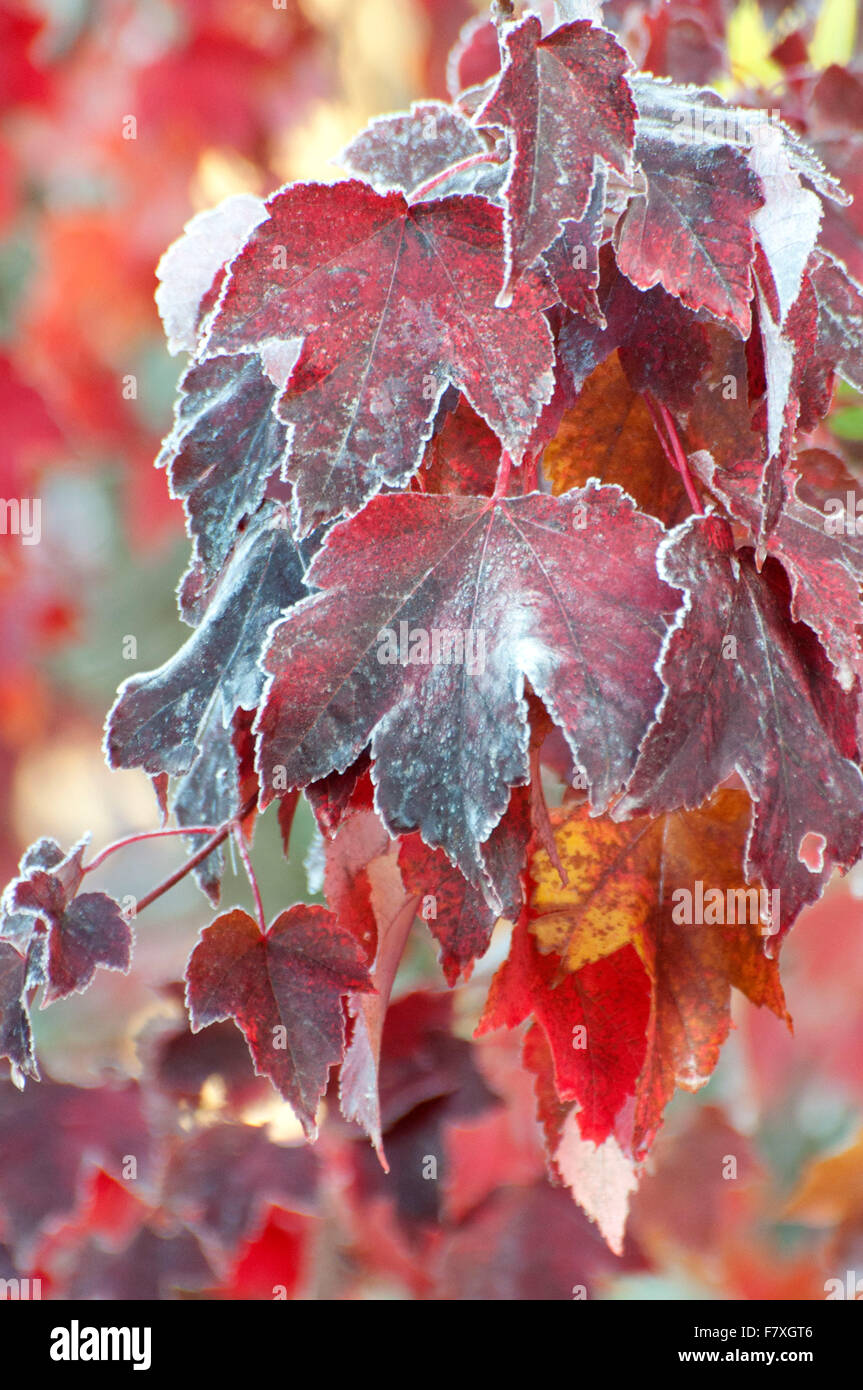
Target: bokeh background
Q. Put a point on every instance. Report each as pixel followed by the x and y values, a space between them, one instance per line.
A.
pixel 118 120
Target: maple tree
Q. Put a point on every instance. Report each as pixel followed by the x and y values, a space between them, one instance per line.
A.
pixel 512 552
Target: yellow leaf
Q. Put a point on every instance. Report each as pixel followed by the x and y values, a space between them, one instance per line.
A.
pixel 749 46
pixel 608 434
pixel 835 33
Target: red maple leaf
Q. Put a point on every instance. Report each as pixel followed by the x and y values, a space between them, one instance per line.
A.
pixel 284 989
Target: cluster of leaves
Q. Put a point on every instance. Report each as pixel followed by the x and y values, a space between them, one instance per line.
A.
pixel 186 1182
pixel 85 212
pixel 540 376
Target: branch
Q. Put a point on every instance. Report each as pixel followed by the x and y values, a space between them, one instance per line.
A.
pixel 220 836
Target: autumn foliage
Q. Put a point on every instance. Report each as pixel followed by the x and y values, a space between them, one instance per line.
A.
pixel 525 565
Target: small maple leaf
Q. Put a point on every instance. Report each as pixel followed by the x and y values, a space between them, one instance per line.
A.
pixel 283 989
pixel 65 934
pixel 393 303
pixel 405 151
pixel 691 230
pixel 568 104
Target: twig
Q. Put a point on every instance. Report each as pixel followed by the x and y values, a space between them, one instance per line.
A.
pixel 147 835
pixel 250 874
pixel 220 836
pixel 663 421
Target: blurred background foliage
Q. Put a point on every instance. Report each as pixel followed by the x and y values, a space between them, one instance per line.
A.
pixel 230 95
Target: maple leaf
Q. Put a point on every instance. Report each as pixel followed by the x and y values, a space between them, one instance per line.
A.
pixel 606 1002
pixel 527 584
pixel 749 690
pixel 393 303
pixel 283 989
pixel 568 104
pixel 691 229
pixel 224 446
pixel 405 151
pixel 626 887
pixel 66 934
pixel 157 720
pixel 840 317
pixel 609 434
pixel 460 919
pixel 825 567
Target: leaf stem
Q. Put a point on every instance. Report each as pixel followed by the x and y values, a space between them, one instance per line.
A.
pixel 221 835
pixel 471 160
pixel 250 874
pixel 504 471
pixel 147 835
pixel 531 471
pixel 663 421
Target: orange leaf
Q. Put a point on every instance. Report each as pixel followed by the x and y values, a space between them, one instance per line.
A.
pixel 673 886
pixel 609 434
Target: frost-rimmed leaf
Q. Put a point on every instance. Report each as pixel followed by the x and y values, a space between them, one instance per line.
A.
pixel 394 303
pixel 407 150
pixel 64 935
pixel 190 265
pixel 749 691
pixel 690 230
pixel 157 718
pixel 225 444
pixel 567 102
pixel 284 990
pixel 532 588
